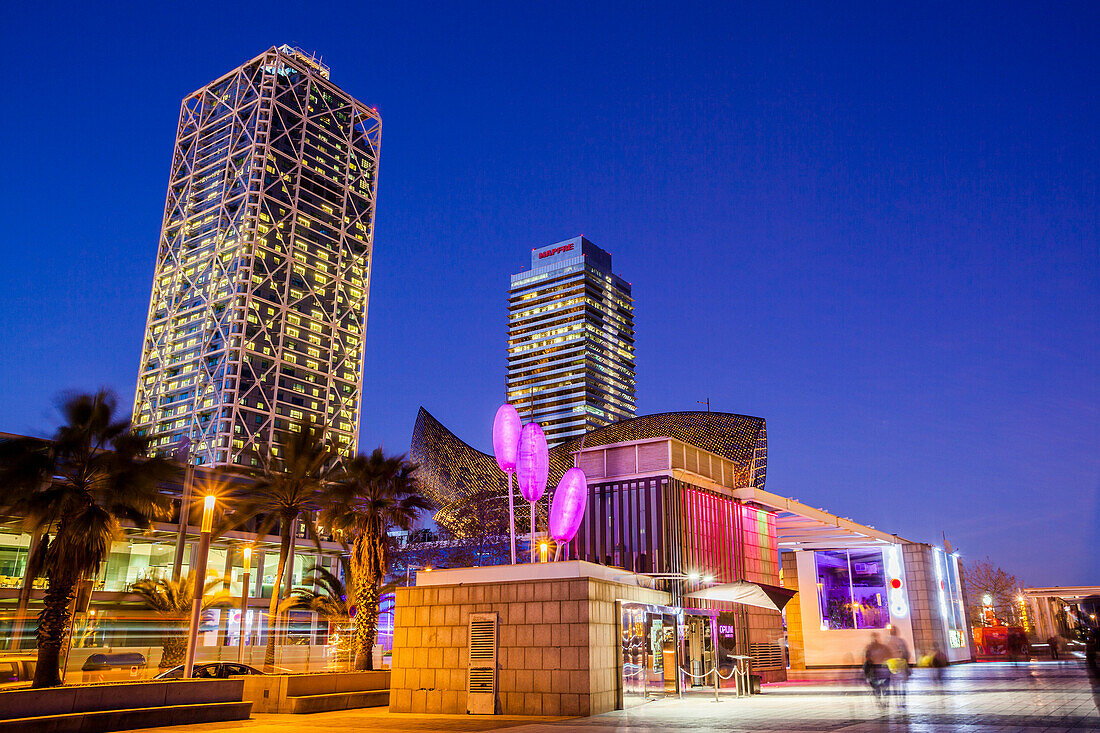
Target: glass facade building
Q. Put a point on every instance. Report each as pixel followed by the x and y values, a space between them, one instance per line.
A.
pixel 570 341
pixel 259 297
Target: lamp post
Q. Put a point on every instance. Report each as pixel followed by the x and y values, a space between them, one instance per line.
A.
pixel 244 598
pixel 200 583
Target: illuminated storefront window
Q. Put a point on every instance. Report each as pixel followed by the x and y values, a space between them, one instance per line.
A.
pixel 950 598
pixel 851 589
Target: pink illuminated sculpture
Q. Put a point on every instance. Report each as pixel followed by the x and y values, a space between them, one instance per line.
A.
pixel 532 462
pixel 506 429
pixel 532 469
pixel 567 509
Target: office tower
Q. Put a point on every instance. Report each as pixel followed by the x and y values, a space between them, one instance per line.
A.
pixel 570 341
pixel 259 299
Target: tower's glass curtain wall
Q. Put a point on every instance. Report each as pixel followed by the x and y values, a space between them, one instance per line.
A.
pixel 259 300
pixel 571 341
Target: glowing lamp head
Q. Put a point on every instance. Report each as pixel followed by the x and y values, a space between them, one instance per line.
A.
pixel 208 512
pixel 532 462
pixel 987 600
pixel 567 507
pixel 506 429
pixel 693 576
pixel 248 553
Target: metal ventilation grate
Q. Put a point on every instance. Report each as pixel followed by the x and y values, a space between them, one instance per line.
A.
pixel 481 672
pixel 483 639
pixel 766 656
pixel 481 681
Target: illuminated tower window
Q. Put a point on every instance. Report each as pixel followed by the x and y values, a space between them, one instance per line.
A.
pixel 259 298
pixel 571 341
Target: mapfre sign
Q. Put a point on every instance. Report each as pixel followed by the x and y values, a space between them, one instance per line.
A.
pixel 555 251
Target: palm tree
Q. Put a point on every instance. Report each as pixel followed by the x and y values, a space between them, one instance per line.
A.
pixel 75 490
pixel 173 600
pixel 326 595
pixel 288 488
pixel 375 494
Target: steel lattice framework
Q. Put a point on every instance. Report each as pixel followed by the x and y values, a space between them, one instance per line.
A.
pixel 259 299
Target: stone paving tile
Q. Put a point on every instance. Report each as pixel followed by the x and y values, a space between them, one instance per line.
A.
pixel 980 698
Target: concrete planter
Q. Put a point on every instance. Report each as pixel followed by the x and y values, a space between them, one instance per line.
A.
pixel 123 706
pixel 312 693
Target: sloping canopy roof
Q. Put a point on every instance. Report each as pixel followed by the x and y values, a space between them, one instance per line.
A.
pixel 801 527
pixel 759 595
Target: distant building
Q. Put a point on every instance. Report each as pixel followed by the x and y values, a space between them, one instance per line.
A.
pixel 570 341
pixel 259 298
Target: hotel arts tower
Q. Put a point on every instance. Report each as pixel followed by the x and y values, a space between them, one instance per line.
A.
pixel 570 341
pixel 259 299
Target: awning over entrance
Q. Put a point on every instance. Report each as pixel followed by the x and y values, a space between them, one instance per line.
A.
pixel 801 527
pixel 759 595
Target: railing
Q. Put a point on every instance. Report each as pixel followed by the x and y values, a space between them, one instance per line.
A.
pixel 740 675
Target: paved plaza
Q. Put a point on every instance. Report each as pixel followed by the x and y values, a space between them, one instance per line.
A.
pixel 1041 696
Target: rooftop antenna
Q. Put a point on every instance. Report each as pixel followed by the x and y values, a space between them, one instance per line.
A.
pixel 707 403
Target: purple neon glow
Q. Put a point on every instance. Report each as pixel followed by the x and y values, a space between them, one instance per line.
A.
pixel 506 427
pixel 567 509
pixel 532 462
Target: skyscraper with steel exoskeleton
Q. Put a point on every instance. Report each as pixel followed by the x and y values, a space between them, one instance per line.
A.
pixel 570 341
pixel 259 301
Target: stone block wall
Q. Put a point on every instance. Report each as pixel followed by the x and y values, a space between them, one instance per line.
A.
pixel 557 649
pixel 920 579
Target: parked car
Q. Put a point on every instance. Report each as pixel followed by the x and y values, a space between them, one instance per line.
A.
pixel 113 667
pixel 17 670
pixel 209 671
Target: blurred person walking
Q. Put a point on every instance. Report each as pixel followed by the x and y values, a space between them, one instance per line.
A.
pixel 898 663
pixel 875 657
pixel 1055 644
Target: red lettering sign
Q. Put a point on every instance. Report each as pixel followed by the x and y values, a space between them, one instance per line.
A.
pixel 555 250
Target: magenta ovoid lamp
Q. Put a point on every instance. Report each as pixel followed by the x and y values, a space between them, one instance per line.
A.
pixel 506 429
pixel 567 509
pixel 532 469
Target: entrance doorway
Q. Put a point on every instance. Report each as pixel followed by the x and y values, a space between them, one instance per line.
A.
pixel 663 649
pixel 697 650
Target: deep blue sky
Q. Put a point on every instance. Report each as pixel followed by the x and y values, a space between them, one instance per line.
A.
pixel 876 227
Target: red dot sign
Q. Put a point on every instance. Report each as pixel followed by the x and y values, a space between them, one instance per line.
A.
pixel 895 583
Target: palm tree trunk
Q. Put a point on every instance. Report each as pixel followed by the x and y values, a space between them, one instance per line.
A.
pixel 273 608
pixel 175 647
pixel 366 621
pixel 53 625
pixel 369 551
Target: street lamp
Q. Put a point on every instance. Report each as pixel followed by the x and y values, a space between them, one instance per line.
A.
pixel 200 583
pixel 244 598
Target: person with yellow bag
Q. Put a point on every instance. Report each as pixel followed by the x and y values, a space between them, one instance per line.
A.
pixel 898 663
